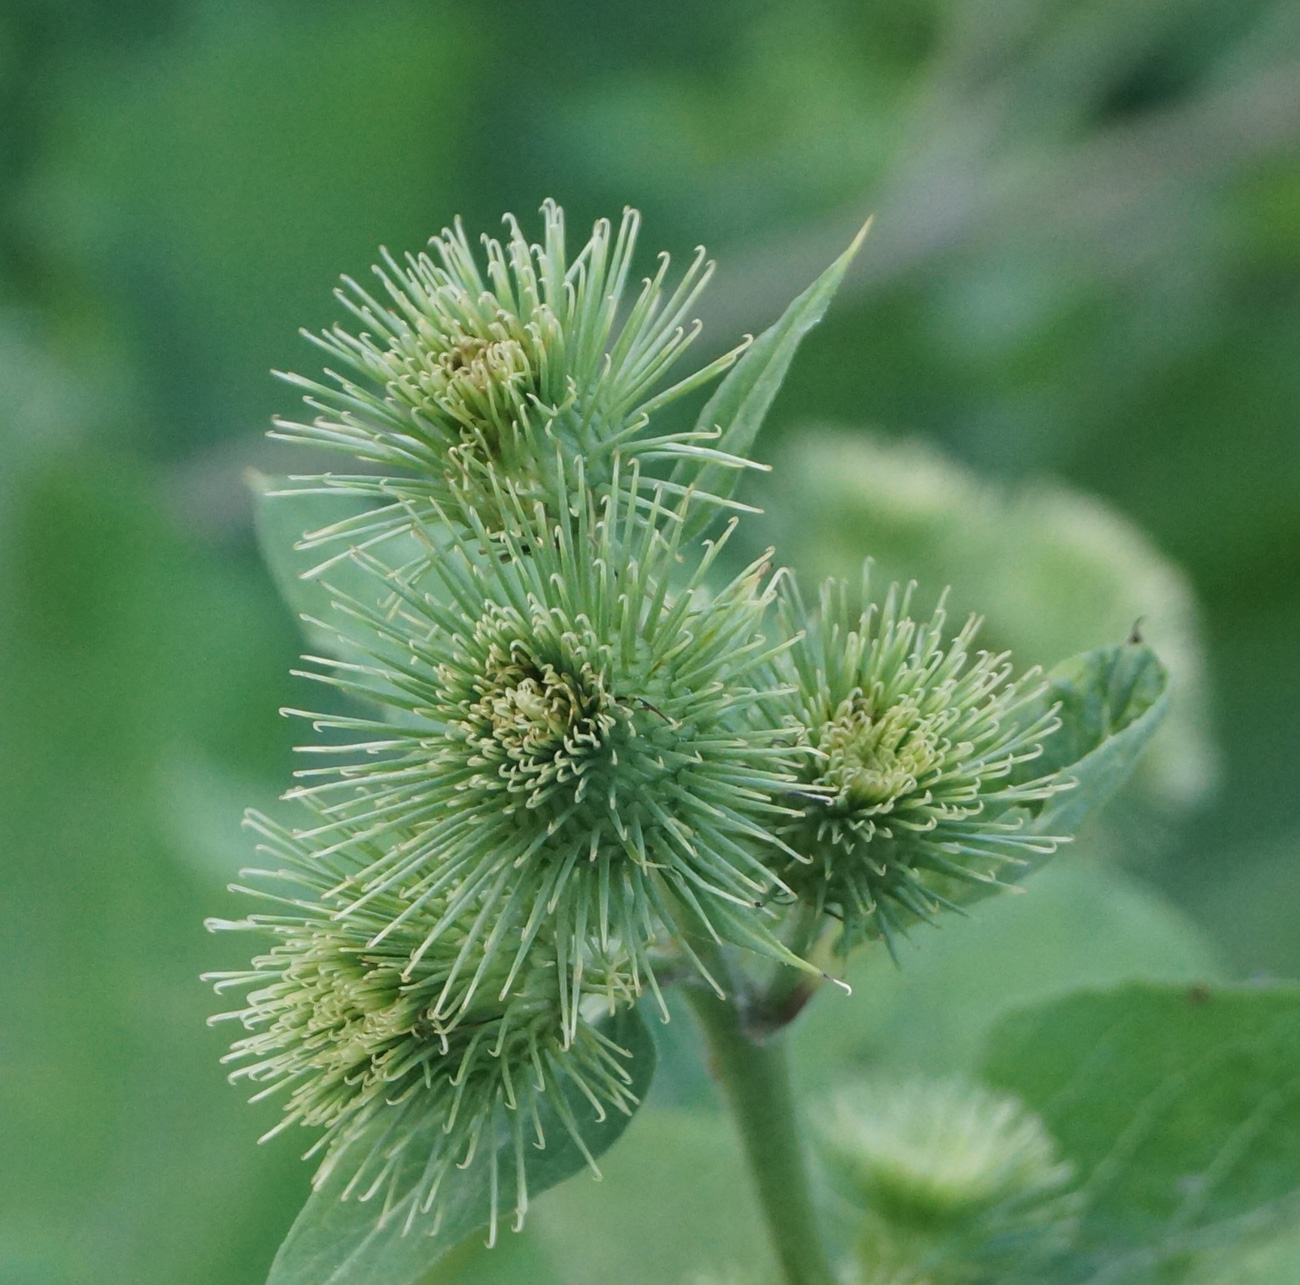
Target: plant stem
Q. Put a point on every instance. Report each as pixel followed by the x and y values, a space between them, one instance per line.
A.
pixel 756 1080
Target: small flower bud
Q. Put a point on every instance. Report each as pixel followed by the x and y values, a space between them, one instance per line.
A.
pixel 462 371
pixel 569 744
pixel 387 1041
pixel 948 1179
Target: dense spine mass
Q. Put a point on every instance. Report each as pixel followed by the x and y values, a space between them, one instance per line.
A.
pixel 461 377
pixel 571 743
pixel 377 1039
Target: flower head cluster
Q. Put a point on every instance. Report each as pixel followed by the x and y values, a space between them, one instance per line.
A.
pixel 567 751
pixel 913 797
pixel 465 375
pixel 560 773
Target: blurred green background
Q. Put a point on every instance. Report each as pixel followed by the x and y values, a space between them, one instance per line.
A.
pixel 1063 376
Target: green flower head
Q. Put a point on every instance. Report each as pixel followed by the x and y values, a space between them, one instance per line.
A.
pixel 913 795
pixel 367 1030
pixel 569 747
pixel 462 371
pixel 948 1178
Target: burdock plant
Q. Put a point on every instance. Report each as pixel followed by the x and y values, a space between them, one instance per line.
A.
pixel 571 754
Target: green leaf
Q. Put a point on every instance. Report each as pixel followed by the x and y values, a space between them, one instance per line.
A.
pixel 1179 1106
pixel 740 403
pixel 516 1259
pixel 1077 923
pixel 1111 702
pixel 282 517
pixel 1273 1261
pixel 341 1242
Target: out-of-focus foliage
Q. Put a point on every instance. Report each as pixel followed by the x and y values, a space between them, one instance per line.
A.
pixel 1178 1108
pixel 679 1164
pixel 1082 287
pixel 125 652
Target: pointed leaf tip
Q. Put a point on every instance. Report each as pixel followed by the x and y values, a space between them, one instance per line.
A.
pixel 740 403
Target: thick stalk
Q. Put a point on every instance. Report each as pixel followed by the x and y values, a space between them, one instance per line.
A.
pixel 756 1081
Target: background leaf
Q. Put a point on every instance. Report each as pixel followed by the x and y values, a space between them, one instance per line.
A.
pixel 1180 1107
pixel 339 1242
pixel 281 520
pixel 1076 923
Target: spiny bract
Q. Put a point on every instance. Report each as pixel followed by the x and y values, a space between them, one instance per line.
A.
pixel 910 793
pixel 571 742
pixel 386 1042
pixel 462 375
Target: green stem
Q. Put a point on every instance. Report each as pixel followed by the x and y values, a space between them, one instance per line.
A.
pixel 756 1081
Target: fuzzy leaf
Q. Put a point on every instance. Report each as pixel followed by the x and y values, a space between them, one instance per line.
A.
pixel 1111 702
pixel 340 1242
pixel 1179 1106
pixel 740 403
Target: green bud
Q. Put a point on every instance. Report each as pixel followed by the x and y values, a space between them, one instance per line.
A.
pixel 911 788
pixel 462 372
pixel 569 744
pixel 947 1179
pixel 372 1034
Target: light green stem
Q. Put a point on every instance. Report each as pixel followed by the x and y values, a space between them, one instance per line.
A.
pixel 756 1080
